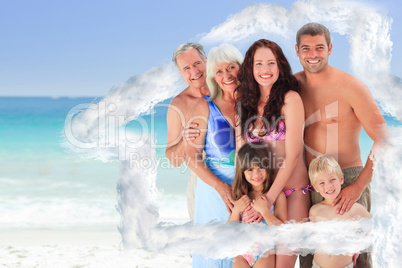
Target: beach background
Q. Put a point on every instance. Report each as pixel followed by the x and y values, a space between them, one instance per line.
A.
pixel 57 209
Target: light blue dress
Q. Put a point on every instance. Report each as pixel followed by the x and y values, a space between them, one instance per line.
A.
pixel 220 149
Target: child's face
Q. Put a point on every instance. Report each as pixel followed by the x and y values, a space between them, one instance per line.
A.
pixel 256 176
pixel 328 185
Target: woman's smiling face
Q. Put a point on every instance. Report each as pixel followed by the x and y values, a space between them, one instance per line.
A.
pixel 226 76
pixel 265 68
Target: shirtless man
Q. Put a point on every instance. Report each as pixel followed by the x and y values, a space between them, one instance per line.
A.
pixel 337 106
pixel 189 60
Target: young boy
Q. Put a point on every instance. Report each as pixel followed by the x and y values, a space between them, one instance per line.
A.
pixel 326 177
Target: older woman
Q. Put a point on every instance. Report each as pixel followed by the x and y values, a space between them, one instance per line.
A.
pixel 271 111
pixel 215 117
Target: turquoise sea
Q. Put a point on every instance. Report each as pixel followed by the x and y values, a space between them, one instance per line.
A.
pixel 44 186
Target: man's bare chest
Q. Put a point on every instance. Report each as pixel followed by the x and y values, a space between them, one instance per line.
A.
pixel 325 108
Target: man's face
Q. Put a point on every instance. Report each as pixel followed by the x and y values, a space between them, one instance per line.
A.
pixel 192 68
pixel 313 52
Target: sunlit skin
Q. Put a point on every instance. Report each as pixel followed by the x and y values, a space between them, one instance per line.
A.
pixel 256 176
pixel 329 186
pixel 266 73
pixel 313 52
pixel 192 68
pixel 337 106
pixel 265 68
pixel 226 76
pixel 289 169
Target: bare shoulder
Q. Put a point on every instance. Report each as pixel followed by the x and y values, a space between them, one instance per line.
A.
pixel 359 97
pixel 175 111
pixel 184 104
pixel 292 96
pixel 351 84
pixel 315 211
pixel 180 99
pixel 322 212
pixel 293 103
pixel 347 77
pixel 358 211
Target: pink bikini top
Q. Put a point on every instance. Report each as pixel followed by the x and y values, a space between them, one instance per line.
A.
pixel 271 135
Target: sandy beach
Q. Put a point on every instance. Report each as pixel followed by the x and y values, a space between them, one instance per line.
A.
pixel 23 238
pixel 77 248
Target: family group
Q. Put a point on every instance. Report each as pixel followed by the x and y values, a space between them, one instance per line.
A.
pixel 268 146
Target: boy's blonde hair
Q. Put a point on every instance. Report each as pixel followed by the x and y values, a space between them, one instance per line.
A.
pixel 323 165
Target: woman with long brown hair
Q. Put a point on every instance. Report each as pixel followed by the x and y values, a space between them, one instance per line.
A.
pixel 270 111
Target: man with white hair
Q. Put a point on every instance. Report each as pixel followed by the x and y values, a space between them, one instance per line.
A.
pixel 190 61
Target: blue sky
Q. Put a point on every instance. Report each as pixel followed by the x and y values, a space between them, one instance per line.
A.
pixel 84 48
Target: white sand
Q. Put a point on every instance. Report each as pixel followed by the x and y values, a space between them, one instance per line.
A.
pixel 77 248
pixel 58 237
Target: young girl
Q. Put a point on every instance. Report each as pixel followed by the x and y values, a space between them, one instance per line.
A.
pixel 253 178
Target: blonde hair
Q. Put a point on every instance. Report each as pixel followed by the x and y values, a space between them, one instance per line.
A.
pixel 225 53
pixel 323 165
